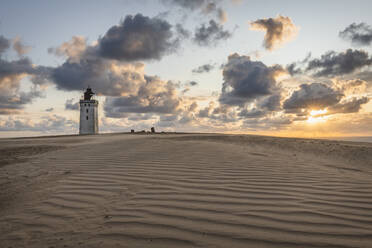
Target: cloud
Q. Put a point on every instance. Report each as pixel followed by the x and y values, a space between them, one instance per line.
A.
pixel 335 64
pixel 188 4
pixel 193 83
pixel 204 68
pixel 211 34
pixel 222 16
pixel 246 80
pixel 188 85
pixel 252 113
pixel 351 87
pixel 312 96
pixel 71 104
pixel 277 30
pixel 109 65
pixel 270 103
pixel 152 96
pixel 203 6
pixel 358 34
pixel 294 68
pixel 106 77
pixel 12 98
pixel 267 123
pixel 138 38
pixel 182 32
pixel 72 49
pixel 4 44
pixel 130 93
pixel 250 91
pixel 352 105
pixel 50 123
pixel 19 47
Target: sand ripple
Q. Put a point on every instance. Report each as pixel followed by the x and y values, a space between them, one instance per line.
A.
pixel 147 191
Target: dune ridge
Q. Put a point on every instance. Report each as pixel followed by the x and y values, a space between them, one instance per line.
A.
pixel 189 190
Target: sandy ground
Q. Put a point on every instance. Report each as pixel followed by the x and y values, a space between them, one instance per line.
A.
pixel 184 191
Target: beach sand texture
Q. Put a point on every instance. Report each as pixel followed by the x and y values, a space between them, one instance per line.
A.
pixel 184 190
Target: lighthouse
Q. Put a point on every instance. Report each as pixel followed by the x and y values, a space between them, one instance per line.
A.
pixel 88 113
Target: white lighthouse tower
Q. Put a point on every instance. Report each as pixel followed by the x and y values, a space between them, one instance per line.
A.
pixel 88 114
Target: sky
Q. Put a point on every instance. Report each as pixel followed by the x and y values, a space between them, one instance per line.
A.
pixel 284 68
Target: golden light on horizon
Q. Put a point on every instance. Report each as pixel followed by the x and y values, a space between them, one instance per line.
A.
pixel 317 116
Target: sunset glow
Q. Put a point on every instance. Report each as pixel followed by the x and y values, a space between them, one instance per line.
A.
pixel 204 66
pixel 317 116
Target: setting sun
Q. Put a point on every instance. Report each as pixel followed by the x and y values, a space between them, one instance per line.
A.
pixel 318 112
pixel 317 116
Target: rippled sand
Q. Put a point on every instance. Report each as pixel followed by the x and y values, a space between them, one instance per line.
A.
pixel 191 190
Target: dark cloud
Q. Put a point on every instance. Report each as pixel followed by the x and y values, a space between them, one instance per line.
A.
pixel 182 32
pixel 204 68
pixel 295 67
pixel 277 30
pixel 224 114
pixel 350 106
pixel 188 4
pixel 129 91
pixel 270 103
pixel 211 34
pixel 246 80
pixel 203 6
pixel 312 96
pixel 193 83
pixel 334 64
pixel 267 123
pixel 106 77
pixel 71 105
pixel 359 34
pixel 155 96
pixel 252 113
pixel 4 44
pixel 12 98
pixel 138 38
pixel 188 85
pixel 264 106
pixel 105 66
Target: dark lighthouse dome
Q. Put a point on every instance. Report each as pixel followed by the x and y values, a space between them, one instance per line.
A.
pixel 88 94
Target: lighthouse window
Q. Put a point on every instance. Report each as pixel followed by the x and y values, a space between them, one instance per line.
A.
pixel 87 117
pixel 87 110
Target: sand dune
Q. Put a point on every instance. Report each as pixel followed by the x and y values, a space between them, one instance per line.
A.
pixel 198 190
